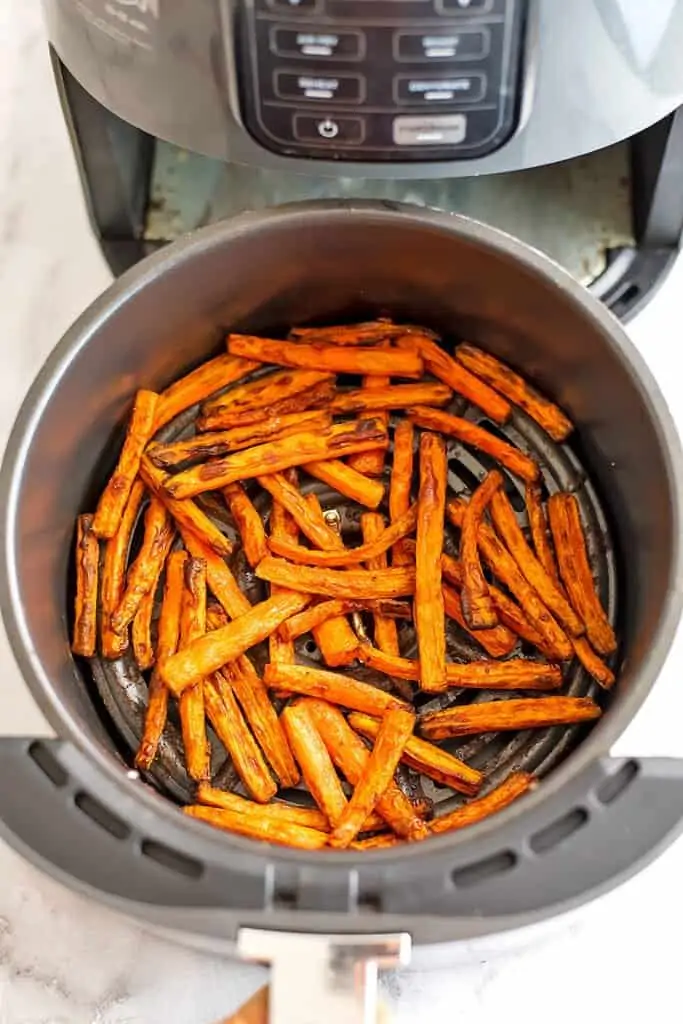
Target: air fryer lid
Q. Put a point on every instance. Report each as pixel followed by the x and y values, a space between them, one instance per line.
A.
pixel 592 821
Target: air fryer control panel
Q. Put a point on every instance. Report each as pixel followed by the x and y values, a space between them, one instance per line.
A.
pixel 377 80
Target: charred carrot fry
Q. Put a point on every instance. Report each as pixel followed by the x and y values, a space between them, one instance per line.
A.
pixel 384 841
pixel 371 463
pixel 347 481
pixel 199 384
pixel 594 665
pixel 282 525
pixel 429 604
pixel 167 644
pixel 326 358
pixel 514 674
pixel 516 389
pixel 113 571
pixel 331 686
pixel 287 495
pixel 367 552
pixel 476 437
pixel 208 653
pixel 338 440
pixel 282 833
pixel 382 397
pixel 311 617
pixel 575 570
pixel 350 334
pixel 220 579
pixel 265 392
pixel 84 640
pixel 539 531
pixel 477 605
pixel 216 443
pixel 252 417
pixel 504 715
pixel 309 817
pixel 186 514
pixel 113 499
pixel 432 761
pixel 248 522
pixel 401 483
pixel 351 756
pixel 232 730
pixel 353 583
pixel 396 728
pixel 141 630
pixel 497 641
pixel 446 369
pixel 144 572
pixel 192 711
pixel 315 762
pixel 510 532
pixel 476 810
pixel 385 631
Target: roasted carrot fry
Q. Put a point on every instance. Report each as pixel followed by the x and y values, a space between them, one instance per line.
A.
pixel 514 674
pixel 504 715
pixel 367 552
pixel 351 756
pixel 186 514
pixel 385 631
pixel 265 392
pixel 382 397
pixel 221 581
pixel 282 833
pixel 575 570
pixel 115 495
pixel 497 641
pixel 290 498
pixel 199 384
pixel 192 713
pixel 144 572
pixel 539 530
pixel 350 334
pixel 309 817
pixel 216 443
pixel 401 483
pixel 469 433
pixel 595 666
pixel 315 762
pixel 229 725
pixel 516 389
pixel 338 440
pixel 424 757
pixel 248 522
pixel 503 565
pixel 429 605
pixel 282 525
pixel 381 842
pixel 84 641
pixel 331 686
pixel 477 605
pixel 210 652
pixel 353 583
pixel 243 418
pixel 510 532
pixel 167 644
pixel 347 481
pixel 326 358
pixel 446 369
pixel 476 810
pixel 113 571
pixel 308 619
pixel 141 630
pixel 372 463
pixel 396 728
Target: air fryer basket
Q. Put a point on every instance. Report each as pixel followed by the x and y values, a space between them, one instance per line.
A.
pixel 75 807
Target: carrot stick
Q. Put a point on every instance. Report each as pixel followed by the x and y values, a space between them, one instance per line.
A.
pixel 498 641
pixel 350 334
pixel 186 514
pixel 315 762
pixel 506 715
pixel 113 572
pixel 287 495
pixel 282 833
pixel 353 583
pixel 429 604
pixel 326 358
pixel 232 730
pixel 381 397
pixel 351 756
pixel 265 392
pixel 144 572
pixel 282 525
pixel 367 552
pixel 469 433
pixel 396 728
pixel 477 605
pixel 338 440
pixel 220 579
pixel 595 666
pixel 539 531
pixel 309 817
pixel 199 384
pixel 254 417
pixel 370 463
pixel 385 631
pixel 347 481
pixel 141 630
pixel 385 841
pixel 424 757
pixel 514 674
pixel 309 618
pixel 516 389
pixel 192 711
pixel 331 686
pixel 167 644
pixel 575 570
pixel 84 640
pixel 401 483
pixel 476 810
pixel 248 522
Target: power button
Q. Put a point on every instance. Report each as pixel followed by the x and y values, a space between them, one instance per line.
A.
pixel 329 129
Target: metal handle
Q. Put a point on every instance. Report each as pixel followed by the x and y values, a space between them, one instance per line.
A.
pixel 323 978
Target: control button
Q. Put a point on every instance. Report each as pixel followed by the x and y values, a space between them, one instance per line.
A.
pixel 464 44
pixel 292 6
pixel 466 6
pixel 448 130
pixel 439 89
pixel 340 130
pixel 288 42
pixel 289 85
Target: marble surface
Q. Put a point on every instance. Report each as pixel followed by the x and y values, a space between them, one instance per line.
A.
pixel 64 960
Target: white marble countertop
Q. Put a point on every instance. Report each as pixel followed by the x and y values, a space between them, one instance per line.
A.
pixel 64 960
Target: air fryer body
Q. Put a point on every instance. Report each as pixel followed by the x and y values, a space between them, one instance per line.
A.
pixel 371 88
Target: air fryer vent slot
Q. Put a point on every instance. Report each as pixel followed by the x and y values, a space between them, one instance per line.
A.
pixel 613 787
pixel 370 903
pixel 484 870
pixel 102 816
pixel 285 899
pixel 172 859
pixel 43 757
pixel 551 836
